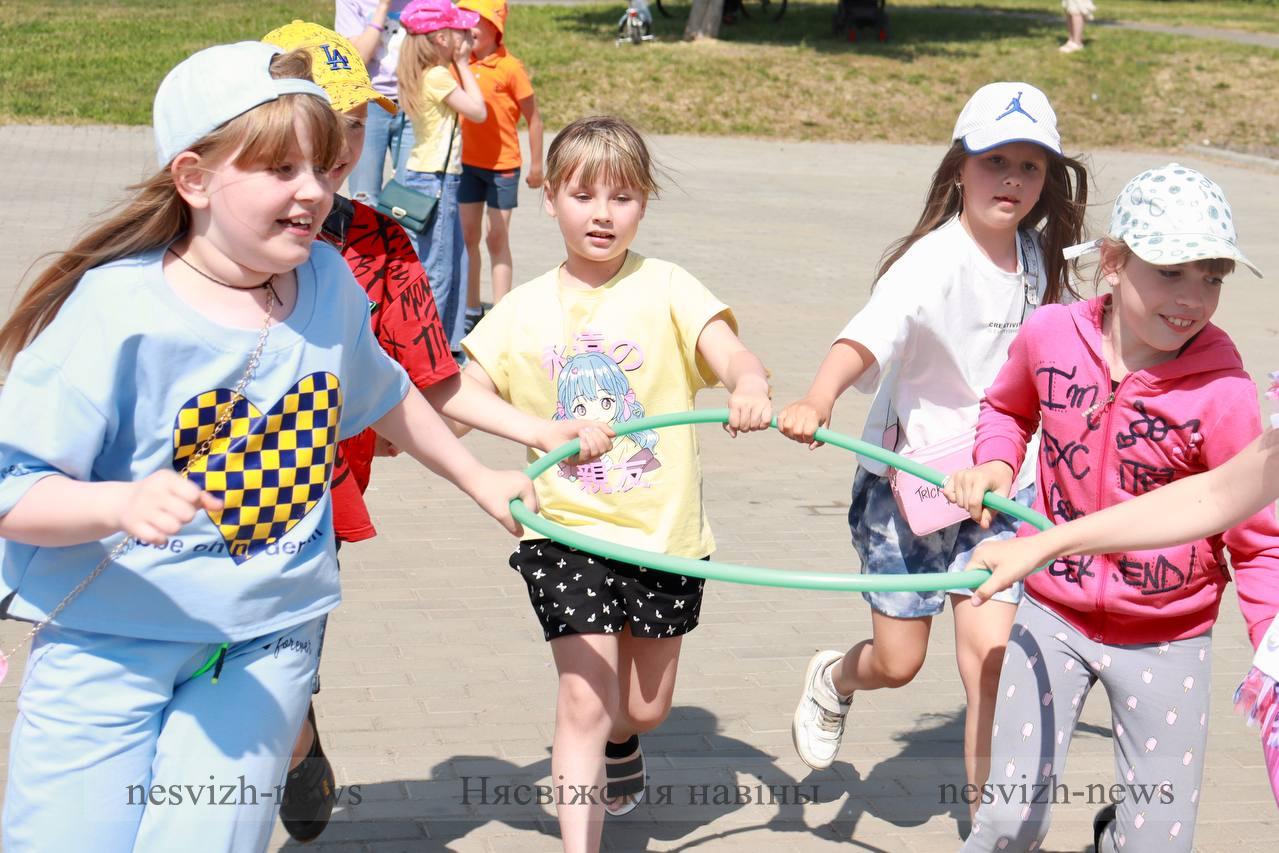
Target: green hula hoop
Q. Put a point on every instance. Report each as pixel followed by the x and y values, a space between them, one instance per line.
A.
pixel 755 575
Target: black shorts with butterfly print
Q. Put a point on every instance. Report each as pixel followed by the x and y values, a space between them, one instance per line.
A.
pixel 573 592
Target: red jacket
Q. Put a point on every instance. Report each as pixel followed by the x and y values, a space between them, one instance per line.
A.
pixel 406 324
pixel 1102 446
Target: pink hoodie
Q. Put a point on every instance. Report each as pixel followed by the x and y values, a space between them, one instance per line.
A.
pixel 1176 419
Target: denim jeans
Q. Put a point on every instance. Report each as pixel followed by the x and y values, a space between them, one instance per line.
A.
pixel 441 249
pixel 383 132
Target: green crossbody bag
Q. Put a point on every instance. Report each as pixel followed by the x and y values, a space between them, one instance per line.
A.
pixel 412 208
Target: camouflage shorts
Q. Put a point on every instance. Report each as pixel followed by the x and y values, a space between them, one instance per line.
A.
pixel 887 546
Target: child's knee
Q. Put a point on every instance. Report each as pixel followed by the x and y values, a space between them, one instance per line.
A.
pixel 646 716
pixel 586 707
pixel 898 668
pixel 498 240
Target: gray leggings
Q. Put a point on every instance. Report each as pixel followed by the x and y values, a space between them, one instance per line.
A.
pixel 1159 712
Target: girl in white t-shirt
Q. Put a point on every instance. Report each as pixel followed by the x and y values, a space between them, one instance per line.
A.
pixel 948 299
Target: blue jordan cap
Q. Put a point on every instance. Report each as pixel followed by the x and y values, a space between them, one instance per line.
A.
pixel 1000 113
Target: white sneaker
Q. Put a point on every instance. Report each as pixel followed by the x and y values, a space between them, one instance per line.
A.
pixel 818 725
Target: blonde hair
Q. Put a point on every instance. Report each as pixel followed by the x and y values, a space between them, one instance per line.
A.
pixel 600 147
pixel 1060 208
pixel 418 54
pixel 1115 255
pixel 155 215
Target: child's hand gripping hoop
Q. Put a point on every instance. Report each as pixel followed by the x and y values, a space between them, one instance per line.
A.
pixel 756 575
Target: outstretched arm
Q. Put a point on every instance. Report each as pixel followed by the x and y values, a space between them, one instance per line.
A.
pixel 1194 508
pixel 750 404
pixel 470 401
pixel 415 428
pixel 843 365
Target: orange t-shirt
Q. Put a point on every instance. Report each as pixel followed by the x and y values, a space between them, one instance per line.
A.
pixel 495 142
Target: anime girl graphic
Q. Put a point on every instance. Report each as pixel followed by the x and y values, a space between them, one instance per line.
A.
pixel 592 386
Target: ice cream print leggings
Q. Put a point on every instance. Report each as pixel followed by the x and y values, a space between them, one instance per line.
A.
pixel 1159 716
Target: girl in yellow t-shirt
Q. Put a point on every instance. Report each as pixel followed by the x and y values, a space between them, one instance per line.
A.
pixel 608 336
pixel 436 86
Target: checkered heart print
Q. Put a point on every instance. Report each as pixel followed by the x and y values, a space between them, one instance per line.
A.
pixel 269 470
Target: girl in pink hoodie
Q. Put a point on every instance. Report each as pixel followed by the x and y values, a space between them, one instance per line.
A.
pixel 1133 390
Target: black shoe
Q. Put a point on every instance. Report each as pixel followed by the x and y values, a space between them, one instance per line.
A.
pixel 309 793
pixel 1100 822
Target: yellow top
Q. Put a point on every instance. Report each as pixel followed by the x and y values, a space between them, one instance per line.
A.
pixel 621 351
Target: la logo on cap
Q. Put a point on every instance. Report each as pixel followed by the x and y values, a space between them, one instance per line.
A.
pixel 336 61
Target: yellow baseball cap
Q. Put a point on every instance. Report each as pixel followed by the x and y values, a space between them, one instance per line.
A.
pixel 335 64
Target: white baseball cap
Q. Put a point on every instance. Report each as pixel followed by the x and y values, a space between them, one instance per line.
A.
pixel 1000 113
pixel 211 87
pixel 1172 215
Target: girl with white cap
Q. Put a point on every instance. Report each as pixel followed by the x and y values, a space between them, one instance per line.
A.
pixel 1132 390
pixel 947 301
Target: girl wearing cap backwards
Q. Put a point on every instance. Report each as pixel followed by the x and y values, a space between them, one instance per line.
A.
pixel 1132 390
pixel 437 90
pixel 407 326
pixel 946 302
pixel 179 380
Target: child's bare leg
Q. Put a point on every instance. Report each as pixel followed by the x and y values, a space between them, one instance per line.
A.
pixel 499 246
pixel 585 710
pixel 646 671
pixel 980 638
pixel 1074 32
pixel 890 658
pixel 471 215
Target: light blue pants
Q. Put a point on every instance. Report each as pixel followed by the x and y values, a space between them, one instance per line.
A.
pixel 118 748
pixel 441 249
pixel 383 133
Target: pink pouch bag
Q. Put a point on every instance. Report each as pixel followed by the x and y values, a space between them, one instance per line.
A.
pixel 921 503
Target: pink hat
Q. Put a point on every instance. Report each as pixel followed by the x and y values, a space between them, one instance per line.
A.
pixel 427 16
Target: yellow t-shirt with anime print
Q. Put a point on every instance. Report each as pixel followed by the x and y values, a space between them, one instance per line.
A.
pixel 624 350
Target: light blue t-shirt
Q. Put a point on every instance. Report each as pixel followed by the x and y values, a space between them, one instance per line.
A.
pixel 127 381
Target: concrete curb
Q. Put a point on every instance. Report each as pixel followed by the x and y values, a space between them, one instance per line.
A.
pixel 1236 157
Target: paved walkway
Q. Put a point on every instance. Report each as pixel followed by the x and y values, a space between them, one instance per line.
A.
pixel 435 675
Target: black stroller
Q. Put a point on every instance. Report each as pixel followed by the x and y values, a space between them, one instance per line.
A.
pixel 854 15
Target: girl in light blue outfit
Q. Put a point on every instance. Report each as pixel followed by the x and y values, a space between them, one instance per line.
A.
pixel 179 380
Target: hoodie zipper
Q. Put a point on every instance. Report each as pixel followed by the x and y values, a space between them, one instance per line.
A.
pixel 1105 410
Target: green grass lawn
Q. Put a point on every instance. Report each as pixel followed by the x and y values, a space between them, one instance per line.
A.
pixel 1252 15
pixel 76 62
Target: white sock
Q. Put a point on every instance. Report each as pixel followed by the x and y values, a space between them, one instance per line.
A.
pixel 828 681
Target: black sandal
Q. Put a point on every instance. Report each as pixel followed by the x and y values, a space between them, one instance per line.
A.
pixel 625 774
pixel 309 793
